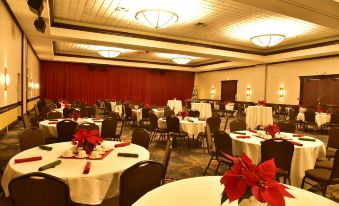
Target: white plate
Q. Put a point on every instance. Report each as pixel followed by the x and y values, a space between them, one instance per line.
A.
pixel 81 157
pixel 96 157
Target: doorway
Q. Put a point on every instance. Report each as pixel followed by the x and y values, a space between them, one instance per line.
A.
pixel 229 90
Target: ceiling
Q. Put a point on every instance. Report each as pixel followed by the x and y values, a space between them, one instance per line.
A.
pixel 214 33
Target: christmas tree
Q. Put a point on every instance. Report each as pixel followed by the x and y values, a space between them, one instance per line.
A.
pixel 195 94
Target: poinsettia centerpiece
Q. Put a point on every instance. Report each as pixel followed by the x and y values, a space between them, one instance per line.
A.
pixel 87 139
pixel 245 180
pixel 261 102
pixel 272 129
pixel 183 114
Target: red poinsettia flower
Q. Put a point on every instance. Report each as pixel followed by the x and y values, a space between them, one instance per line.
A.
pixel 272 129
pixel 93 137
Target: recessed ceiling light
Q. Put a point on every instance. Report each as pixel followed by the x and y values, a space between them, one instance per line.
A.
pixel 156 18
pixel 267 40
pixel 200 25
pixel 181 60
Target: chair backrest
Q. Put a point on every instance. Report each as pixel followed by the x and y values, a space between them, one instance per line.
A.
pixel 214 124
pixel 128 111
pixel 114 115
pixel 27 121
pixel 44 110
pixel 210 145
pixel 84 112
pixel 39 189
pixel 66 129
pixel 221 106
pixel 138 179
pixel 194 113
pixel 287 126
pixel 88 126
pixel 153 119
pixel 120 127
pixel 237 125
pixel 279 149
pixel 145 112
pixel 36 110
pixel 32 137
pixel 141 137
pixel 333 138
pixel 108 105
pixel 173 124
pixel 309 115
pixel 52 106
pixel 335 117
pixel 335 169
pixel 168 112
pixel 167 156
pixel 223 143
pixel 54 115
pixel 67 111
pixel 109 127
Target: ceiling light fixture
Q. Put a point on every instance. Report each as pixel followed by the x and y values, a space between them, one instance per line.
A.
pixel 156 18
pixel 181 60
pixel 268 40
pixel 109 53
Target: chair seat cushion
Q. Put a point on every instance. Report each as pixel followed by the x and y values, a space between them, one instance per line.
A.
pixel 320 174
pixel 324 164
pixel 330 153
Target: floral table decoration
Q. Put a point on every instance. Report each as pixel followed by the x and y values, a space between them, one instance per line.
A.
pixel 272 129
pixel 87 139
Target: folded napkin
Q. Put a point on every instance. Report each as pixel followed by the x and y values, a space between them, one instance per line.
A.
pixel 43 147
pixel 306 139
pixel 298 135
pixel 52 122
pixel 50 165
pixel 253 131
pixel 123 144
pixel 123 154
pixel 29 159
pixel 242 133
pixel 243 137
pixel 296 143
pixel 87 168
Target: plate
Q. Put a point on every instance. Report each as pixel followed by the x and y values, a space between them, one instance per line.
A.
pixel 95 158
pixel 81 157
pixel 72 155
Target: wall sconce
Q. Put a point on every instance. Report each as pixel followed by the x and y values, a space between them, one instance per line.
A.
pixel 281 92
pixel 248 92
pixel 212 91
pixel 36 86
pixel 31 84
pixel 6 79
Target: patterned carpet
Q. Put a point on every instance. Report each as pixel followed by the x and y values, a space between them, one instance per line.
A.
pixel 185 162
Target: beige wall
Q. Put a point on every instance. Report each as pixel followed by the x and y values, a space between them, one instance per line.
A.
pixel 33 68
pixel 284 75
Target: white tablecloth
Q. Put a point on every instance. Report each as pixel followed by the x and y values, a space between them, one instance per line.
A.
pixel 206 191
pixel 192 128
pixel 229 106
pixel 101 183
pixel 304 157
pixel 176 104
pixel 320 118
pixel 52 128
pixel 116 108
pixel 204 109
pixel 258 115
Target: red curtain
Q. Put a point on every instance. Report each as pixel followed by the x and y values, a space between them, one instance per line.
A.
pixel 70 81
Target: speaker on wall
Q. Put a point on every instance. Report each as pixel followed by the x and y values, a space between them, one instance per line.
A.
pixel 40 24
pixel 36 6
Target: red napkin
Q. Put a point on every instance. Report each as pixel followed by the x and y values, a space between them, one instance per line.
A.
pixel 243 137
pixel 29 159
pixel 52 122
pixel 123 144
pixel 298 135
pixel 87 168
pixel 296 143
pixel 254 131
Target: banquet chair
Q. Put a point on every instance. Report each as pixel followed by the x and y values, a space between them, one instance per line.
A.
pixel 168 112
pixel 108 129
pixel 66 129
pixel 57 103
pixel 128 114
pixel 309 118
pixel 222 108
pixel 194 113
pixel 138 179
pixel 145 116
pixel 119 129
pixel 334 121
pixel 39 189
pixel 165 161
pixel 324 177
pixel 286 126
pixel 44 111
pixel 67 111
pixel 26 121
pixel 84 112
pixel 36 110
pixel 214 124
pixel 32 137
pixel 113 115
pixel 154 128
pixel 88 126
pixel 141 137
pixel 52 106
pixel 210 148
pixel 223 144
pixel 237 125
pixel 282 152
pixel 173 129
pixel 333 142
pixel 54 115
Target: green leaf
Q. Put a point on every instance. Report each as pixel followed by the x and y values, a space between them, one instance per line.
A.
pixel 247 195
pixel 223 197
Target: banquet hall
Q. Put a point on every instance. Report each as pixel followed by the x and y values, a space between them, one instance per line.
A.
pixel 172 102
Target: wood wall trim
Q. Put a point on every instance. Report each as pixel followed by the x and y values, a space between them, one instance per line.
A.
pixel 9 107
pixel 4 130
pixel 32 99
pixel 325 76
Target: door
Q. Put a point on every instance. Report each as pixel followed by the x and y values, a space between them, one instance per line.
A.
pixel 229 90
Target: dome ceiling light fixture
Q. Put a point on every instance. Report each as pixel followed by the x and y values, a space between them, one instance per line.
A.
pixel 156 18
pixel 181 60
pixel 109 53
pixel 267 40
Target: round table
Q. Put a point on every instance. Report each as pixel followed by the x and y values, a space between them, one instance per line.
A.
pixel 320 118
pixel 51 127
pixel 101 183
pixel 304 157
pixel 204 109
pixel 192 128
pixel 258 115
pixel 203 191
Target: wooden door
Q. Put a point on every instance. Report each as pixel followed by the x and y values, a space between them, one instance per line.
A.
pixel 228 90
